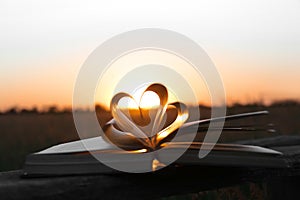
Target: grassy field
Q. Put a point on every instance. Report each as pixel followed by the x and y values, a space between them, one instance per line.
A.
pixel 27 132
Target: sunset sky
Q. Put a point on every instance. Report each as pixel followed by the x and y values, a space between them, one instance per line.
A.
pixel 254 44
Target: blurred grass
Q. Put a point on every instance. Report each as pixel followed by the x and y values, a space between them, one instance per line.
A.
pixel 26 132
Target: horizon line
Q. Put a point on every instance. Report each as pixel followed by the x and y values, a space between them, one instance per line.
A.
pixel 65 108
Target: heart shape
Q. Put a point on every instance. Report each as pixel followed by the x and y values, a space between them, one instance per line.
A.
pixel 144 128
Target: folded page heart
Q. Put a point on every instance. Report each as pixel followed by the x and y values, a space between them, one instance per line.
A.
pixel 136 128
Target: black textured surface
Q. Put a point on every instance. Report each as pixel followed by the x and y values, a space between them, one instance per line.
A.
pixel 122 186
pixel 281 183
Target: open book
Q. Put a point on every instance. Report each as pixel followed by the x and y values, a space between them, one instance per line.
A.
pixel 79 157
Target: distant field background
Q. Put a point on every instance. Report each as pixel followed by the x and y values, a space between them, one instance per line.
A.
pixel 26 131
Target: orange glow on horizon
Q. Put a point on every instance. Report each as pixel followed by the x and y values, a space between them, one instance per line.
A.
pixel 261 84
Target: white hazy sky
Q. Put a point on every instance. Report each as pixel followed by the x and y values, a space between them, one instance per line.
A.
pixel 254 44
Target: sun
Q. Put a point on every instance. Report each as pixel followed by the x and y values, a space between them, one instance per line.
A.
pixel 149 100
pixel 139 98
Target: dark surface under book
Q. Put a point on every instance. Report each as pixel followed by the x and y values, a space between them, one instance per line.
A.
pixel 279 183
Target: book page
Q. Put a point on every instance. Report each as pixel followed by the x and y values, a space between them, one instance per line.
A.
pixel 90 144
